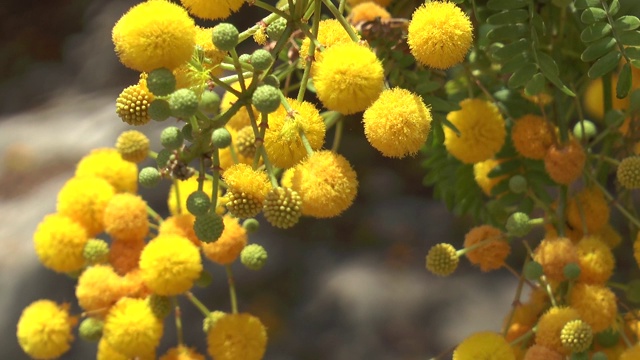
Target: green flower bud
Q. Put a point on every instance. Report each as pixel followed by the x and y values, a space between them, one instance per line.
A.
pixel 271 80
pixel 261 59
pixel 253 256
pixel 96 251
pixel 225 36
pixel 171 138
pixel 183 103
pixel 518 184
pixel 590 130
pixel 90 329
pixel 608 338
pixel 251 225
pixel 221 138
pixel 161 82
pixel 149 177
pixel 163 158
pixel 276 28
pixel 205 279
pixel 198 203
pixel 159 110
pixel 518 224
pixel 244 58
pixel 160 305
pixel 208 227
pixel 571 271
pixel 266 98
pixel 187 132
pixel 210 321
pixel 533 270
pixel 209 102
pixel 633 291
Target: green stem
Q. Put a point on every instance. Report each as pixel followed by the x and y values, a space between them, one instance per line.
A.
pixel 271 9
pixel 198 304
pixel 310 55
pixel 516 299
pixel 232 290
pixel 305 142
pixel 154 215
pixel 178 318
pixel 337 137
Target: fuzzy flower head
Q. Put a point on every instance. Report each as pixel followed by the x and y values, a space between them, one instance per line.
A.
pixel 227 248
pixel 237 336
pixel 170 264
pixel 596 305
pixel 44 329
pixel 397 123
pixel 554 254
pixel 550 326
pixel 564 163
pixel 494 250
pixel 59 243
pixel 440 34
pixel 539 352
pixel 154 34
pixel 282 139
pixel 131 328
pixel 84 199
pixel 348 78
pixel 182 352
pixel 98 288
pixel 589 210
pixel 126 216
pixel 124 254
pixel 595 259
pixel 367 11
pixel 107 163
pixel 330 32
pixel 180 225
pixel 532 135
pixel 245 187
pixel 484 345
pixel 481 172
pixel 212 10
pixel 326 183
pixel 482 131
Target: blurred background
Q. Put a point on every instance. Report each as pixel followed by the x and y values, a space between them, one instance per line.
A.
pixel 348 288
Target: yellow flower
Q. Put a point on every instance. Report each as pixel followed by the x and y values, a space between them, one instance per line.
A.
pixel 131 328
pixel 44 329
pixel 154 34
pixel 237 336
pixel 108 164
pixel 532 135
pixel 595 259
pixel 481 172
pixel 170 264
pixel 397 123
pixel 367 11
pixel 282 139
pixel 98 288
pixel 554 254
pixel 59 243
pixel 330 32
pixel 439 34
pixel 84 200
pixel 610 236
pixel 126 216
pixel 631 353
pixel 241 118
pixel 564 163
pixel 247 189
pixel 133 146
pixel 181 352
pixel 348 78
pixel 212 9
pixel 588 209
pixel 596 305
pixel 492 254
pixel 185 188
pixel 593 98
pixel 539 352
pixel 124 254
pixel 132 105
pixel 326 183
pixel 484 345
pixel 482 131
pixel 106 352
pixel 227 248
pixel 182 225
pixel 550 326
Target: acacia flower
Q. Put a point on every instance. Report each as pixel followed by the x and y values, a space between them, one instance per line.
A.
pixel 596 305
pixel 125 216
pixel 227 248
pixel 98 288
pixel 132 105
pixel 595 259
pixel 482 131
pixel 182 225
pixel 84 200
pixel 397 123
pixel 237 336
pixel 485 345
pixel 539 352
pixel 588 209
pixel 532 135
pixel 550 326
pixel 247 189
pixel 492 254
pixel 131 328
pixel 107 163
pixel 367 11
pixel 348 78
pixel 154 34
pixel 554 253
pixel 133 146
pixel 481 172
pixel 564 163
pixel 439 34
pixel 212 10
pixel 330 32
pixel 44 329
pixel 182 352
pixel 124 254
pixel 59 243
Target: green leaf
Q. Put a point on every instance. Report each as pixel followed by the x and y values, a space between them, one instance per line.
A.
pixel 507 32
pixel 550 70
pixel 626 23
pixel 633 53
pixel 438 104
pixel 624 82
pixel 521 76
pixel 614 117
pixel 514 64
pixel 630 38
pixel 595 32
pixel 561 3
pixel 535 85
pixel 526 205
pixel 598 48
pixel 605 64
pixel 427 87
pixel 538 24
pixel 592 15
pixel 508 51
pixel 506 4
pixel 583 4
pixel 614 7
pixel 449 124
pixel 508 17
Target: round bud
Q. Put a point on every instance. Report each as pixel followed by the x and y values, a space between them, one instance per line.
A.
pixel 211 320
pixel 159 110
pixel 244 58
pixel 442 259
pixel 198 203
pixel 533 270
pixel 518 184
pixel 225 36
pixel 246 142
pixel 187 132
pixel 161 82
pixel 584 130
pixel 271 80
pixel 163 158
pixel 608 338
pixel 628 172
pixel 518 224
pixel 221 138
pixel 205 279
pixel 96 251
pixel 276 28
pixel 261 59
pixel 266 98
pixel 571 271
pixel 209 102
pixel 149 177
pixel 90 329
pixel 251 225
pixel 133 146
pixel 253 256
pixel 160 305
pixel 183 103
pixel 208 227
pixel 633 291
pixel 171 138
pixel 576 336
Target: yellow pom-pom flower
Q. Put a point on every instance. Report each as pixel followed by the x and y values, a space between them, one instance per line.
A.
pixel 485 345
pixel 132 105
pixel 124 254
pixel 397 123
pixel 237 336
pixel 589 210
pixel 482 131
pixel 247 189
pixel 131 328
pixel 554 254
pixel 348 78
pixel 326 183
pixel 44 329
pixel 227 248
pixel 550 326
pixel 481 172
pixel 170 264
pixel 595 259
pixel 282 139
pixel 182 352
pixel 154 34
pixel 106 352
pixel 98 288
pixel 212 9
pixel 539 352
pixel 330 32
pixel 367 11
pixel 126 216
pixel 440 34
pixel 59 243
pixel 107 163
pixel 564 163
pixel 84 200
pixel 180 225
pixel 532 135
pixel 596 305
pixel 133 146
pixel 493 251
pixel 185 188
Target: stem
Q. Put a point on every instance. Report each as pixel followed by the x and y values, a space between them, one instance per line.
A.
pixel 271 9
pixel 310 55
pixel 338 135
pixel 203 309
pixel 215 167
pixel 305 142
pixel 178 318
pixel 154 215
pixel 232 290
pixel 177 189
